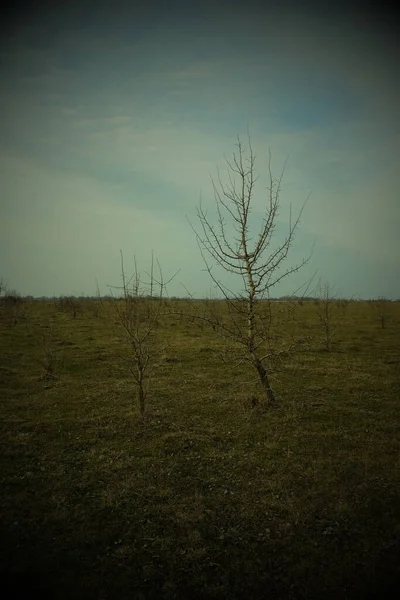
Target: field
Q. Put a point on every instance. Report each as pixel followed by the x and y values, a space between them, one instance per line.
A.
pixel 207 496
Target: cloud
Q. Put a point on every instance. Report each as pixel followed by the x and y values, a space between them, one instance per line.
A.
pixel 354 187
pixel 70 228
pixel 109 132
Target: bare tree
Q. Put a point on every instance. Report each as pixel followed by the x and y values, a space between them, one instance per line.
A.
pixel 97 305
pixel 3 304
pixel 140 311
pixel 11 304
pixel 382 308
pixel 3 286
pixel 327 313
pixel 70 304
pixel 51 360
pixel 256 261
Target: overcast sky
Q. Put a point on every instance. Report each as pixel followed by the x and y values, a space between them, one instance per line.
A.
pixel 114 118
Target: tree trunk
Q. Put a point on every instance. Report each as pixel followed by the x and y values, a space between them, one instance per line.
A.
pixel 327 337
pixel 262 373
pixel 141 399
pixel 141 391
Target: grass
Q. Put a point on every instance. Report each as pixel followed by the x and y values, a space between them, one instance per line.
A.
pixel 206 497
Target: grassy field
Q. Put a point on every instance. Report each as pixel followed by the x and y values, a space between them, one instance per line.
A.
pixel 206 497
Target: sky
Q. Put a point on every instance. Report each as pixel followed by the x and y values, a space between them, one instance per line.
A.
pixel 116 115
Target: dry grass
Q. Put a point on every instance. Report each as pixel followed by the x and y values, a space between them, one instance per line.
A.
pixel 207 497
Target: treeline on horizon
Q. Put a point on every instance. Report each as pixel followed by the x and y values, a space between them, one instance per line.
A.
pixel 109 297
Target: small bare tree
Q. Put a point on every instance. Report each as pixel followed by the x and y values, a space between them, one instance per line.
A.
pixel 51 360
pixel 327 313
pixel 140 311
pixel 70 304
pixel 230 244
pixel 96 305
pixel 11 304
pixel 382 308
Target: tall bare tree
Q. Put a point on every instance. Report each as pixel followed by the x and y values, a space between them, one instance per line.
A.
pixel 229 242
